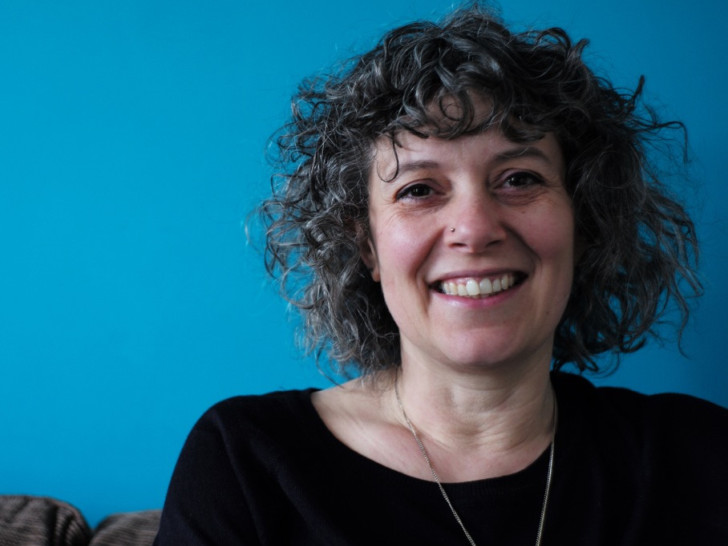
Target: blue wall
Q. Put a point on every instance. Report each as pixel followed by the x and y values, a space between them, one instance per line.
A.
pixel 131 147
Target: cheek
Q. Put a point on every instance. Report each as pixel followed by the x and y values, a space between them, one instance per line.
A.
pixel 398 244
pixel 552 232
pixel 557 245
pixel 398 257
pixel 552 239
pixel 558 252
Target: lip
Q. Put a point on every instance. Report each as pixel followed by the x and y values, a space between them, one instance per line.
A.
pixel 464 280
pixel 488 302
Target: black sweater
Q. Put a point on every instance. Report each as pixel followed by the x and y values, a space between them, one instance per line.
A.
pixel 629 469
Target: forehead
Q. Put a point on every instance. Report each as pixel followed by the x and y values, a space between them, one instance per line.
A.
pixel 393 155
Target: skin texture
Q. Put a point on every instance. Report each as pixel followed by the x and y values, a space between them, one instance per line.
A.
pixel 511 215
pixel 474 375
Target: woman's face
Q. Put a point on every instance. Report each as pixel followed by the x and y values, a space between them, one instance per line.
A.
pixel 473 244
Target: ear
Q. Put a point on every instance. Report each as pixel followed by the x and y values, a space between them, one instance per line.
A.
pixel 368 253
pixel 369 257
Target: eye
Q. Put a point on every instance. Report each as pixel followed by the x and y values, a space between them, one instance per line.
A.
pixel 521 179
pixel 414 191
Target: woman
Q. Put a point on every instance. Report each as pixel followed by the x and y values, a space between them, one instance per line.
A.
pixel 459 214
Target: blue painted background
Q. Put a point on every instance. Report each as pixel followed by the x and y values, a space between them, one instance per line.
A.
pixel 131 148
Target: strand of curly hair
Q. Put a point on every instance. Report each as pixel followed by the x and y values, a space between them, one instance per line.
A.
pixel 638 247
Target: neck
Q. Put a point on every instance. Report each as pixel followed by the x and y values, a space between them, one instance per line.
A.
pixel 499 422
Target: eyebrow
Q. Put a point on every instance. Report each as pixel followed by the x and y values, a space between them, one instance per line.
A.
pixel 506 155
pixel 522 151
pixel 409 166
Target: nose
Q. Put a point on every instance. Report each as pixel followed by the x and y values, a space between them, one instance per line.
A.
pixel 476 223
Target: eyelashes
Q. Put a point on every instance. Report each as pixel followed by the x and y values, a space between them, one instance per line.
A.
pixel 512 181
pixel 522 179
pixel 414 191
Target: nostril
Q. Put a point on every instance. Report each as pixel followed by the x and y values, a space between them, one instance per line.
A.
pixel 475 235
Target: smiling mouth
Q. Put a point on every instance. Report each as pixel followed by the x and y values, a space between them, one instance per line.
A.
pixel 479 288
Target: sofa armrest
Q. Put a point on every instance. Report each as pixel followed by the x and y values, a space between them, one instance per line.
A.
pixel 129 528
pixel 29 521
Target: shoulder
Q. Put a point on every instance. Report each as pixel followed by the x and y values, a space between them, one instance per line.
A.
pixel 662 457
pixel 679 423
pixel 353 404
pixel 259 407
pixel 255 426
pixel 230 461
pixel 253 435
pixel 675 408
pixel 258 411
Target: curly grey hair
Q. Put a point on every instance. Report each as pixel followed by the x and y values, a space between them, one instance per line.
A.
pixel 640 247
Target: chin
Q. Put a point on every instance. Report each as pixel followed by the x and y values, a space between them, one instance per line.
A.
pixel 493 357
pixel 480 359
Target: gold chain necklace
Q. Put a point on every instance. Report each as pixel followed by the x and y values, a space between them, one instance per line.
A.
pixel 425 455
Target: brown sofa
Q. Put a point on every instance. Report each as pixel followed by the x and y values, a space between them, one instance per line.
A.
pixel 41 521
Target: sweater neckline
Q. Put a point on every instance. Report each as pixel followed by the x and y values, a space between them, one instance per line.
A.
pixel 344 457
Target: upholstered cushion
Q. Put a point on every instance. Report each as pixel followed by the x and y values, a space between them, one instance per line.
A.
pixel 131 528
pixel 41 521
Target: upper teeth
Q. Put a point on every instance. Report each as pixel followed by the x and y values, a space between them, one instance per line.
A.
pixel 473 288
